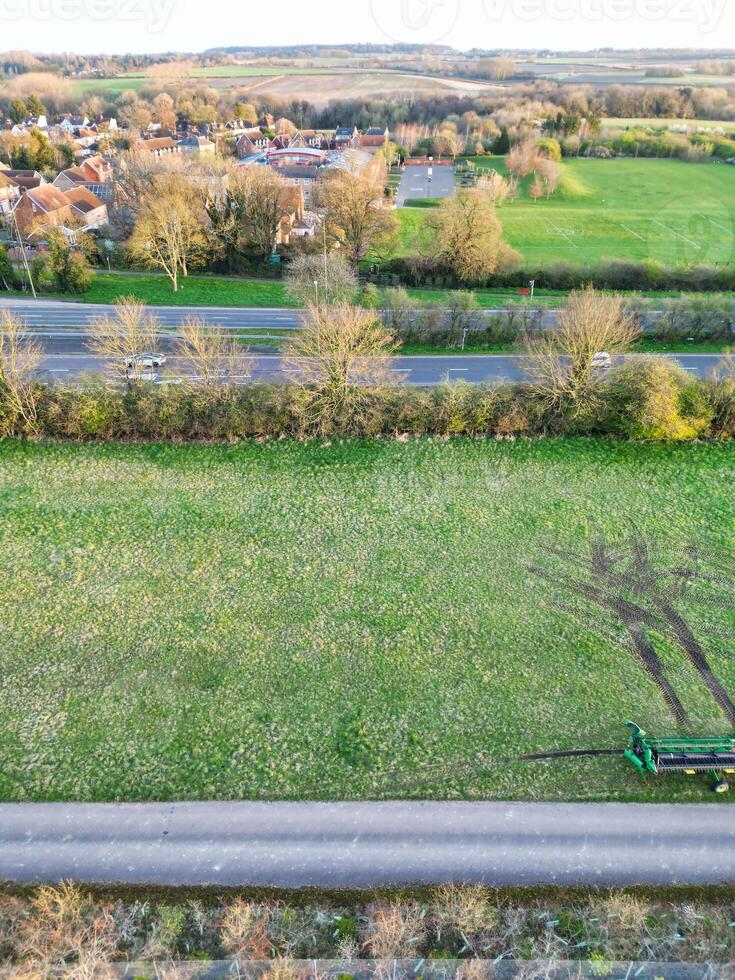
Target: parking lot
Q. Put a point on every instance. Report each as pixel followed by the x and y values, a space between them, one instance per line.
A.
pixel 415 183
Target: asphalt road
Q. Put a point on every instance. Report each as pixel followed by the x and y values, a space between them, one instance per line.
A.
pixel 61 329
pixel 415 184
pixel 363 845
pixel 427 370
pixel 55 313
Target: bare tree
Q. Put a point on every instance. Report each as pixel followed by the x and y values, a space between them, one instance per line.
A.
pixel 20 357
pixel 355 214
pixel 337 353
pixel 449 142
pixel 171 229
pixel 495 186
pixel 469 237
pixel 321 278
pixel 124 337
pixel 560 364
pixel 211 354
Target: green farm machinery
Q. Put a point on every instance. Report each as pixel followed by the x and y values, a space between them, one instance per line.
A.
pixel 658 756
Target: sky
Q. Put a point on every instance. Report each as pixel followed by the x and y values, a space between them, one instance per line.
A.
pixel 116 26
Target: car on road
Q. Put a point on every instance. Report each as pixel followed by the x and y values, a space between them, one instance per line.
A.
pixel 146 360
pixel 601 361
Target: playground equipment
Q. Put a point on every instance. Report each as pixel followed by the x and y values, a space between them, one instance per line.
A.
pixel 689 755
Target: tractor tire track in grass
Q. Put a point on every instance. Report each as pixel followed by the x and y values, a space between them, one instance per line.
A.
pixel 629 580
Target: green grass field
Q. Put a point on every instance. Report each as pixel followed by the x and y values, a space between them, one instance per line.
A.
pixel 674 212
pixel 653 122
pixel 283 620
pixel 113 86
pixel 193 291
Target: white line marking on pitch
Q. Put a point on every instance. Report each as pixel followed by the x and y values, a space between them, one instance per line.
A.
pixel 563 234
pixel 722 228
pixel 632 232
pixel 674 232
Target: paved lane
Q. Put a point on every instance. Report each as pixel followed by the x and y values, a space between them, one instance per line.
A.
pixel 364 845
pixel 423 371
pixel 53 313
pixel 415 184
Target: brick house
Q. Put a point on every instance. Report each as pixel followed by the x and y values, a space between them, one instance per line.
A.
pixel 87 208
pixel 374 138
pixel 250 142
pixel 9 193
pixel 95 174
pixel 45 205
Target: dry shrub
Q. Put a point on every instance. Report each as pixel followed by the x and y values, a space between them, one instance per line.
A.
pixel 282 969
pixel 462 908
pixel 395 930
pixel 243 930
pixel 66 935
pixel 621 918
pixel 474 970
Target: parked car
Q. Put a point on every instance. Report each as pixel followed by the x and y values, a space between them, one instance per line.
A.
pixel 146 360
pixel 601 361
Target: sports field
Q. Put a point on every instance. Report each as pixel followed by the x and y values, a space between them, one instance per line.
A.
pixel 676 213
pixel 347 620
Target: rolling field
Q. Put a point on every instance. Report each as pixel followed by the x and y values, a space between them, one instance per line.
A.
pixel 341 620
pixel 674 212
pixel 318 85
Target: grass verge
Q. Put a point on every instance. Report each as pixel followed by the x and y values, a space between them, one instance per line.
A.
pixel 341 620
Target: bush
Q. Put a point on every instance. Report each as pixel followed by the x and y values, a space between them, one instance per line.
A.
pixel 654 399
pixel 647 398
pixel 648 275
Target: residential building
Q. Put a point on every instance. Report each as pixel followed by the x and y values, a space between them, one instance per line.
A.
pixel 250 142
pixel 197 146
pixel 94 173
pixel 87 207
pixel 346 137
pixel 26 179
pixel 37 206
pixel 9 193
pixel 71 123
pixel 160 146
pixel 374 138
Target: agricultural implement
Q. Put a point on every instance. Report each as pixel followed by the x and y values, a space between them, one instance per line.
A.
pixel 658 756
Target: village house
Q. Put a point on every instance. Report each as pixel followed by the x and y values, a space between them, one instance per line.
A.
pixel 346 137
pixel 374 138
pixel 77 210
pixel 94 173
pixel 160 146
pixel 87 208
pixel 250 142
pixel 197 146
pixel 71 124
pixel 41 206
pixel 292 207
pixel 9 193
pixel 25 179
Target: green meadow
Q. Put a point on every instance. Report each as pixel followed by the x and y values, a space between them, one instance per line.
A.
pixel 342 620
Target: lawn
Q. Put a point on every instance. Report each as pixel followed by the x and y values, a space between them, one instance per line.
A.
pixel 342 620
pixel 677 213
pixel 193 291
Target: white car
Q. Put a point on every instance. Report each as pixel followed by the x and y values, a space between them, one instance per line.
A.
pixel 146 361
pixel 601 361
